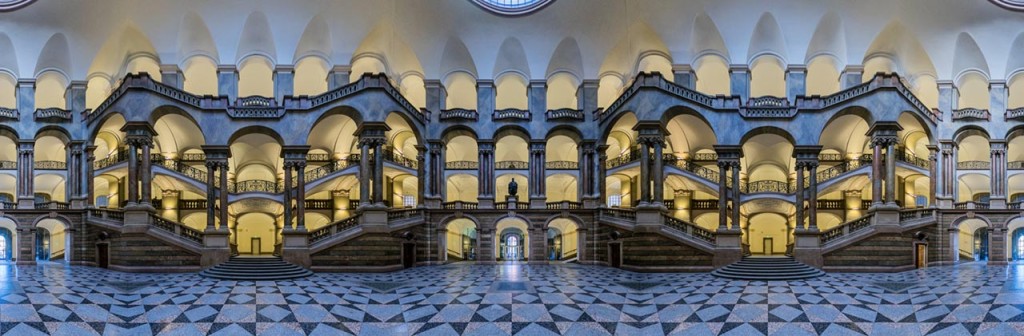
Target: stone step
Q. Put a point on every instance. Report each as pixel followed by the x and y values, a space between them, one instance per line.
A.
pixel 768 269
pixel 256 268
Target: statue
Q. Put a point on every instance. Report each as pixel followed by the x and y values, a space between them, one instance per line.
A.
pixel 513 187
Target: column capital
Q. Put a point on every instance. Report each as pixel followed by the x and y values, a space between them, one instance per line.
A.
pixel 376 130
pixel 25 146
pixel 139 130
pixel 997 145
pixel 650 132
pixel 537 146
pixel 884 133
pixel 485 145
pixel 806 156
pixel 216 156
pixel 435 147
pixel 294 155
pixel 729 154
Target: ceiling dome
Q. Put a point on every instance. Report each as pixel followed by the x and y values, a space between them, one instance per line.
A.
pixel 1017 5
pixel 10 5
pixel 510 7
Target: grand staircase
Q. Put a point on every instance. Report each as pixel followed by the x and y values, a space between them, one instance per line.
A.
pixel 767 268
pixel 256 268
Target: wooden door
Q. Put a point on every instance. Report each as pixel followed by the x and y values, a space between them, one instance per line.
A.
pixel 768 250
pixel 615 254
pixel 103 255
pixel 408 255
pixel 921 255
pixel 256 246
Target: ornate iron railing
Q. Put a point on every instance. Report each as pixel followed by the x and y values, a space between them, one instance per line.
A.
pixel 846 228
pixel 192 157
pixel 50 165
pixel 327 169
pixel 334 228
pixel 8 165
pixel 971 113
pixel 8 205
pixel 319 204
pixel 561 165
pixel 461 165
pixel 973 165
pixel 689 229
pixel 114 158
pixel 511 113
pixel 184 169
pixel 1013 205
pixel 399 159
pixel 318 157
pixel 766 186
pixel 511 165
pixel 262 186
pixel 458 113
pixel 913 160
pixel 696 169
pixel 704 157
pixel 625 158
pixel 830 157
pixel 178 229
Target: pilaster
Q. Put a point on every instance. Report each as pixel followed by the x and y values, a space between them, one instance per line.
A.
pixel 171 75
pixel 852 75
pixel 227 81
pixel 284 82
pixel 338 76
pixel 684 76
pixel 739 81
pixel 796 81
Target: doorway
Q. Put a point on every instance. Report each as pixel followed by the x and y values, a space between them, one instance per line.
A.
pixel 42 244
pixel 103 255
pixel 981 244
pixel 615 255
pixel 256 246
pixel 920 255
pixel 768 246
pixel 408 255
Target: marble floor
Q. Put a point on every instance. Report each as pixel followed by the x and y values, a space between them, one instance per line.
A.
pixel 455 299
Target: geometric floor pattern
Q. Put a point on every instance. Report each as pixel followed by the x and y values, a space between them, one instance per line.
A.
pixel 968 299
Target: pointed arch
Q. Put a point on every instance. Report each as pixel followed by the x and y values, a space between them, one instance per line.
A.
pixel 54 56
pixel 898 44
pixel 315 40
pixel 567 57
pixel 194 38
pixel 967 56
pixel 767 39
pixel 829 39
pixel 257 38
pixel 705 39
pixel 511 57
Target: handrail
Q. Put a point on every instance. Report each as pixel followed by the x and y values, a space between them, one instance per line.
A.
pixel 973 165
pixel 185 169
pixel 913 160
pixel 8 165
pixel 625 158
pixel 561 165
pixel 461 165
pixel 321 171
pixel 511 113
pixel 399 159
pixel 262 186
pixel 114 158
pixel 319 204
pixel 696 169
pixel 766 186
pixel 689 229
pixel 830 204
pixel 178 229
pixel 397 214
pixel 50 165
pixel 334 228
pixel 846 229
pixel 191 204
pixel 704 204
pixel 511 165
pixel 55 205
pixel 911 214
pixel 629 214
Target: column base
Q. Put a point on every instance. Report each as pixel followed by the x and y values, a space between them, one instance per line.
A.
pixel 432 202
pixel 216 249
pixel 374 220
pixel 78 202
pixel 295 247
pixel 538 202
pixel 997 202
pixel 807 247
pixel 591 202
pixel 485 202
pixel 728 248
pixel 648 218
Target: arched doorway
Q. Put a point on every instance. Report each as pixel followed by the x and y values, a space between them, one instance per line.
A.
pixel 461 240
pixel 8 240
pixel 512 241
pixel 768 234
pixel 981 244
pixel 51 241
pixel 971 240
pixel 562 240
pixel 256 234
pixel 1017 244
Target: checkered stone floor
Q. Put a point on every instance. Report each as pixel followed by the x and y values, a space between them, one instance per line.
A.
pixel 511 299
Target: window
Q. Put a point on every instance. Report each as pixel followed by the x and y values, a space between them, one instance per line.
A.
pixel 615 200
pixel 409 201
pixel 512 7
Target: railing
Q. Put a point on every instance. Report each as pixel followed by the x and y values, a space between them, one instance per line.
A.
pixel 970 205
pixel 319 157
pixel 185 169
pixel 669 204
pixel 117 215
pixel 906 215
pixel 704 204
pixel 50 165
pixel 913 160
pixel 619 213
pixel 563 205
pixel 333 229
pixel 827 204
pixel 511 113
pixel 8 205
pixel 511 165
pixel 54 205
pixel 399 159
pixel 53 113
pixel 404 214
pixel 192 204
pixel 767 186
pixel 768 101
pixel 830 157
pixel 178 229
pixel 561 165
pixel 700 171
pixel 689 229
pixel 460 205
pixel 192 157
pixel 319 204
pixel 8 165
pixel 114 158
pixel 846 229
pixel 1015 165
pixel 971 113
pixel 461 165
pixel 973 165
pixel 254 186
pixel 9 113
pixel 565 113
pixel 704 157
pixel 625 158
pixel 1013 205
pixel 458 113
pixel 1016 113
pixel 353 204
pixel 327 169
pixel 504 205
pixel 252 101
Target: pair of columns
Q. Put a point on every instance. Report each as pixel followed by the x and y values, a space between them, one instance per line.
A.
pixel 537 179
pixel 139 136
pixel 884 135
pixel 728 161
pixel 651 138
pixel 216 176
pixel 948 153
pixel 807 164
pixel 26 172
pixel 485 171
pixel 295 162
pixel 372 136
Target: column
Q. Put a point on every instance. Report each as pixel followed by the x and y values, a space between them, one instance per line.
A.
pixel 684 76
pixel 932 172
pixel 998 173
pixel 954 163
pixel 284 82
pixel 378 172
pixel 812 213
pixel 364 172
pixel 223 192
pixel 538 194
pixel 890 172
pixel 74 172
pixel 739 79
pixel 145 172
pixel 437 168
pixel 211 199
pixel 735 194
pixel 852 75
pixel 659 180
pixel 796 81
pixel 26 174
pixel 948 169
pixel 90 163
pixel 602 160
pixel 645 172
pixel 485 172
pixel 300 168
pixel 288 194
pixel 421 174
pixel 338 77
pixel 723 216
pixel 133 172
pixel 800 195
pixel 876 171
pixel 227 81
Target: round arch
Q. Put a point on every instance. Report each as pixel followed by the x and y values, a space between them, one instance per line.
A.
pixel 461 240
pixel 52 239
pixel 512 238
pixel 562 239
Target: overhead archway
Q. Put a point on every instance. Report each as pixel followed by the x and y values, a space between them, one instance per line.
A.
pixel 512 241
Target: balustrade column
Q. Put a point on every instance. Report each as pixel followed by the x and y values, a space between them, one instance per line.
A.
pixel 223 192
pixel 364 172
pixel 645 172
pixel 876 172
pixel 300 195
pixel 736 194
pixel 145 172
pixel 133 172
pixel 890 172
pixel 211 168
pixel 723 216
pixel 812 206
pixel 659 181
pixel 288 194
pixel 26 173
pixel 800 195
pixel 378 172
pixel 90 164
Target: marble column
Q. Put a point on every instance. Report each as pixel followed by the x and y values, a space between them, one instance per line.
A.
pixel 812 212
pixel 645 173
pixel 288 194
pixel 876 172
pixel 421 174
pixel 364 172
pixel 602 161
pixel 90 164
pixel 145 172
pixel 378 172
pixel 658 173
pixel 133 172
pixel 890 172
pixel 300 195
pixel 735 194
pixel 26 174
pixel 211 199
pixel 723 217
pixel 800 195
pixel 933 156
pixel 223 193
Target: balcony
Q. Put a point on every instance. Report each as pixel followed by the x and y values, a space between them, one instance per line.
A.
pixel 1015 114
pixel 190 204
pixel 8 165
pixel 458 114
pixel 511 165
pixel 50 165
pixel 53 114
pixel 511 114
pixel 256 107
pixel 971 114
pixel 561 165
pixel 973 165
pixel 9 113
pixel 461 165
pixel 565 114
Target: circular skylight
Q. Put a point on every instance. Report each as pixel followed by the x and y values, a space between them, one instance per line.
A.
pixel 512 7
pixel 1017 5
pixel 10 5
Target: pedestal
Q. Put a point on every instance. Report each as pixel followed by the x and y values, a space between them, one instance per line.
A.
pixel 78 203
pixel 649 218
pixel 432 202
pixel 538 202
pixel 374 219
pixel 944 202
pixel 485 202
pixel 26 203
pixel 997 203
pixel 295 247
pixel 591 202
pixel 727 247
pixel 216 247
pixel 512 202
pixel 136 220
pixel 807 247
